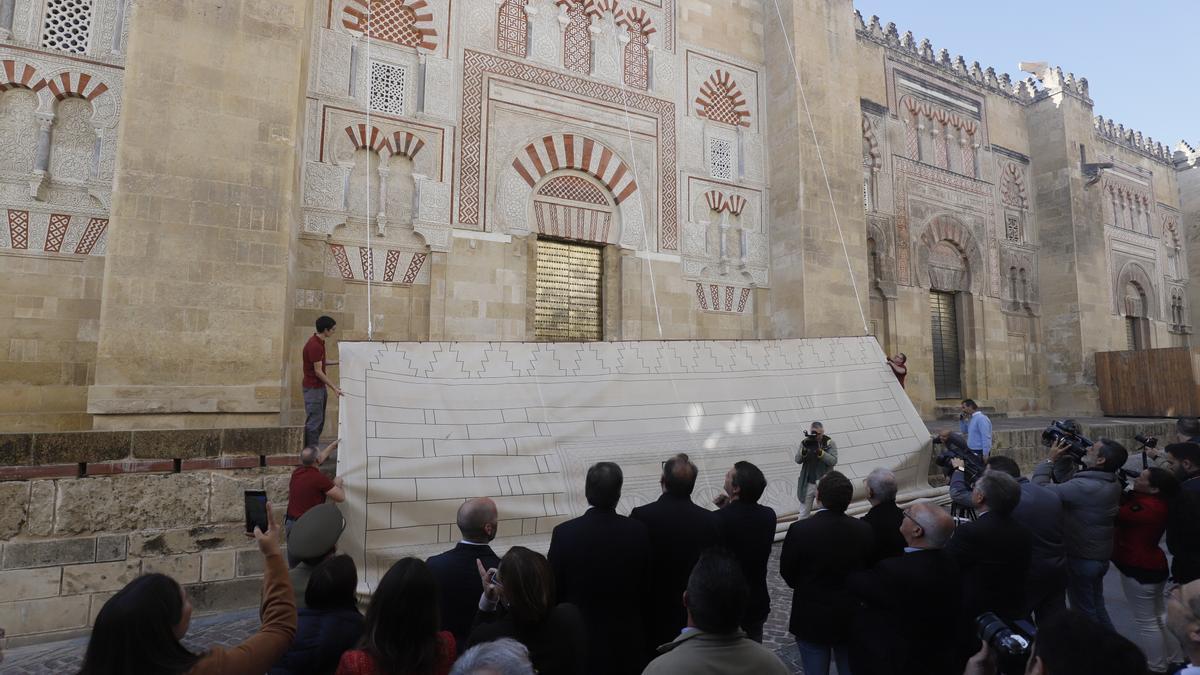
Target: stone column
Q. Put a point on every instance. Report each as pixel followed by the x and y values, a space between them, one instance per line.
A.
pixel 1076 296
pixel 194 309
pixel 7 8
pixel 811 290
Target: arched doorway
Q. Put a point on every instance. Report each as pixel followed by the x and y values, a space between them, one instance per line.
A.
pixel 576 217
pixel 949 258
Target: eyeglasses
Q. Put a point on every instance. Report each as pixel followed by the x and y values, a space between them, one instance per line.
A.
pixel 915 521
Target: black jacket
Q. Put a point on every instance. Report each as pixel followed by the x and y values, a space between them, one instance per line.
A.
pixel 1183 534
pixel 908 606
pixel 679 530
pixel 818 554
pixel 748 531
pixel 321 638
pixel 884 518
pixel 993 553
pixel 459 587
pixel 559 646
pixel 601 564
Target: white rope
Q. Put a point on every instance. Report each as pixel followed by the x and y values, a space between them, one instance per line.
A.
pixel 369 263
pixel 824 172
pixel 634 166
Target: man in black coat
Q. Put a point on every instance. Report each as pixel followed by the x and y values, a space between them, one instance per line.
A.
pixel 455 570
pixel 993 551
pixel 909 604
pixel 884 516
pixel 818 554
pixel 747 530
pixel 601 564
pixel 679 530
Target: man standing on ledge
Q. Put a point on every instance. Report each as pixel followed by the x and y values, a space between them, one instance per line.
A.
pixel 976 427
pixel 316 379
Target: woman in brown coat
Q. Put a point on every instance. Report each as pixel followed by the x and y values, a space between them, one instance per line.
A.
pixel 138 629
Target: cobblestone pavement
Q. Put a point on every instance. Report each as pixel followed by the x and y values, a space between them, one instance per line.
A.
pixel 231 628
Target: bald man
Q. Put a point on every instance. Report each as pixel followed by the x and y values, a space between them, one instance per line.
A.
pixel 456 572
pixel 679 531
pixel 910 603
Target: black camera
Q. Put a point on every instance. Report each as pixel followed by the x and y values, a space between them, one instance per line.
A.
pixel 1011 642
pixel 954 448
pixel 1067 433
pixel 1147 441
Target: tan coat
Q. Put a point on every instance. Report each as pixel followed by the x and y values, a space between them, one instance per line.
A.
pixel 263 649
pixel 700 653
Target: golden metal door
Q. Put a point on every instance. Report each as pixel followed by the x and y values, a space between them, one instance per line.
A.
pixel 568 292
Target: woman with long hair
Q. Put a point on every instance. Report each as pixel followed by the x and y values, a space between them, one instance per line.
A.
pixel 139 629
pixel 401 635
pixel 330 623
pixel 1141 522
pixel 520 600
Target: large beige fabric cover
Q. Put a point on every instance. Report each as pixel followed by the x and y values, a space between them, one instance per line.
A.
pixel 426 425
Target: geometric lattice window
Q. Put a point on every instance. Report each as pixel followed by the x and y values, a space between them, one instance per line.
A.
pixel 1012 227
pixel 387 87
pixel 512 28
pixel 67 25
pixel 721 100
pixel 720 158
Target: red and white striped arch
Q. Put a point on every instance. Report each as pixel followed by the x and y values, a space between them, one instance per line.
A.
pixel 400 142
pixel 569 151
pixel 19 75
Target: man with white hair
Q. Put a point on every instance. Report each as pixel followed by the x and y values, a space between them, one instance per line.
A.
pixel 505 656
pixel 1183 620
pixel 909 604
pixel 884 516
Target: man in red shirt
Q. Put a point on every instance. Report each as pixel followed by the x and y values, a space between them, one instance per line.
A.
pixel 316 380
pixel 309 487
pixel 899 369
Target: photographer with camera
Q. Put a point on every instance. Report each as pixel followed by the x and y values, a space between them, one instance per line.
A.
pixel 976 427
pixel 1090 501
pixel 816 455
pixel 1069 644
pixel 1146 456
pixel 962 467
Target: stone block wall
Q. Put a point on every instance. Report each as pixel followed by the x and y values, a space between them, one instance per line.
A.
pixel 87 512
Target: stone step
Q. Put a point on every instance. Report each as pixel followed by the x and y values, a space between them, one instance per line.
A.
pixel 951 412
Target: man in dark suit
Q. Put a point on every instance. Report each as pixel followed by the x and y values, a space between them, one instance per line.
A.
pixel 679 530
pixel 909 604
pixel 884 516
pixel 601 564
pixel 455 570
pixel 747 530
pixel 993 551
pixel 818 554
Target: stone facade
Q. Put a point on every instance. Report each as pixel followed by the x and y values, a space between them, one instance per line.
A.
pixel 392 163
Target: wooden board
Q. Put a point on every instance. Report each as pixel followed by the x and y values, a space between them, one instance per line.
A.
pixel 1149 382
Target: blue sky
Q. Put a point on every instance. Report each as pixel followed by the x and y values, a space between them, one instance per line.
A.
pixel 1140 58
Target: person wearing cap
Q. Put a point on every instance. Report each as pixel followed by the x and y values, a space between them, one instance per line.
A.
pixel 313 539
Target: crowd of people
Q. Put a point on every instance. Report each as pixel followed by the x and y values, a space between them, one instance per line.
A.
pixel 678 588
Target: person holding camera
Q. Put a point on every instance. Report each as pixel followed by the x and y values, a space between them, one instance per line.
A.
pixel 1141 523
pixel 816 455
pixel 976 427
pixel 1090 501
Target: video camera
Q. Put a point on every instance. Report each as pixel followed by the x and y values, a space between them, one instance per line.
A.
pixel 1146 442
pixel 1067 433
pixel 955 448
pixel 1011 642
pixel 809 444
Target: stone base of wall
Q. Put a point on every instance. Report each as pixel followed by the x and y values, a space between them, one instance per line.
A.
pixel 143 504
